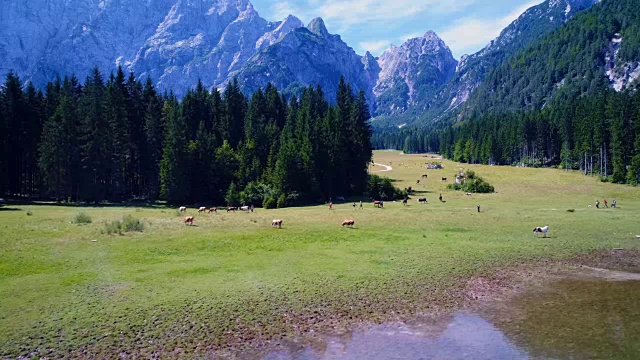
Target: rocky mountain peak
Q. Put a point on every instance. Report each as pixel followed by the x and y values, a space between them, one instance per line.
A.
pixel 318 27
pixel 412 72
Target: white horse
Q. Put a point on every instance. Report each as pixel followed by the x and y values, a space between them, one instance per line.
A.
pixel 541 230
pixel 183 209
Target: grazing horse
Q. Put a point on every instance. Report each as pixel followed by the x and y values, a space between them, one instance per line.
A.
pixel 213 210
pixel 202 209
pixel 425 176
pixel 349 223
pixel 444 179
pixel 245 208
pixel 468 194
pixel 188 220
pixel 276 223
pixel 422 200
pixel 417 182
pixel 183 209
pixel 378 204
pixel 404 202
pixel 541 230
pixel 232 208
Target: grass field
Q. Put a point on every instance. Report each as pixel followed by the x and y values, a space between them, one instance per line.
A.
pixel 69 290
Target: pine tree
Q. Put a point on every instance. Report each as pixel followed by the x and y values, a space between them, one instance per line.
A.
pixel 97 148
pixel 14 110
pixel 174 174
pixel 154 135
pixel 52 159
pixel 234 105
pixel 118 148
pixel 4 144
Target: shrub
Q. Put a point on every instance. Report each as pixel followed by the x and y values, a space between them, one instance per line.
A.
pixel 269 203
pixel 382 189
pixel 473 184
pixel 128 224
pixel 131 224
pixel 256 193
pixel 282 201
pixel 82 218
pixel 233 195
pixel 113 227
pixel 29 213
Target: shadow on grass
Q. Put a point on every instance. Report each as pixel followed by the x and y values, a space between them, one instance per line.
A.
pixel 421 192
pixel 9 209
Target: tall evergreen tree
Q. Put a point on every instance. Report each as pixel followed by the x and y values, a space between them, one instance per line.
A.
pixel 98 140
pixel 174 170
pixel 14 109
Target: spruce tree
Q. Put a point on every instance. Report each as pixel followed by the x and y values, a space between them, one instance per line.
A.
pixel 174 170
pixel 98 141
pixel 154 135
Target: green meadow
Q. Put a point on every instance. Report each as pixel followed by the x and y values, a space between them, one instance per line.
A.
pixel 173 290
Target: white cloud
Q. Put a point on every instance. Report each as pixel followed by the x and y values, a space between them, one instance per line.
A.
pixel 282 9
pixel 374 46
pixel 344 13
pixel 469 34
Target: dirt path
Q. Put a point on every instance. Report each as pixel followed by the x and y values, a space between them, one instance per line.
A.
pixel 386 168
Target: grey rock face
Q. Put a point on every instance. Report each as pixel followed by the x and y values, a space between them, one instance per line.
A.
pixel 411 73
pixel 173 41
pixel 308 56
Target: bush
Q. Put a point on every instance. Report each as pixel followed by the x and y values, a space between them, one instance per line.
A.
pixel 256 193
pixel 82 218
pixel 128 224
pixel 382 189
pixel 473 184
pixel 131 224
pixel 233 195
pixel 282 201
pixel 113 227
pixel 269 203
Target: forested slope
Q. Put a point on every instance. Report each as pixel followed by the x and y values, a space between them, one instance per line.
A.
pixel 118 139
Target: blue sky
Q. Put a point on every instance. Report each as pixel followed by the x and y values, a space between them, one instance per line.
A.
pixel 465 25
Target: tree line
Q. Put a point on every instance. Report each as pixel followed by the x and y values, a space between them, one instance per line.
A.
pixel 118 139
pixel 598 134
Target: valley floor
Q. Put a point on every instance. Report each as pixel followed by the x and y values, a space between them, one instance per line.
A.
pixel 233 282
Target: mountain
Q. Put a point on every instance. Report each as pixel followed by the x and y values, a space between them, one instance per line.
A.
pixel 308 56
pixel 472 70
pixel 596 51
pixel 411 74
pixel 176 42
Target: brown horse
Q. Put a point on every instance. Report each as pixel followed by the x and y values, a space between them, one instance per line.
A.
pixel 425 176
pixel 213 210
pixel 378 204
pixel 422 200
pixel 404 202
pixel 349 223
pixel 188 220
pixel 232 208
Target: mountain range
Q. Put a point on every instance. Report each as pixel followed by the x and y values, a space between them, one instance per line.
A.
pixel 177 42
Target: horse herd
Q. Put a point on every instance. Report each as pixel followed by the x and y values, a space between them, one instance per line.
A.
pixel 276 223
